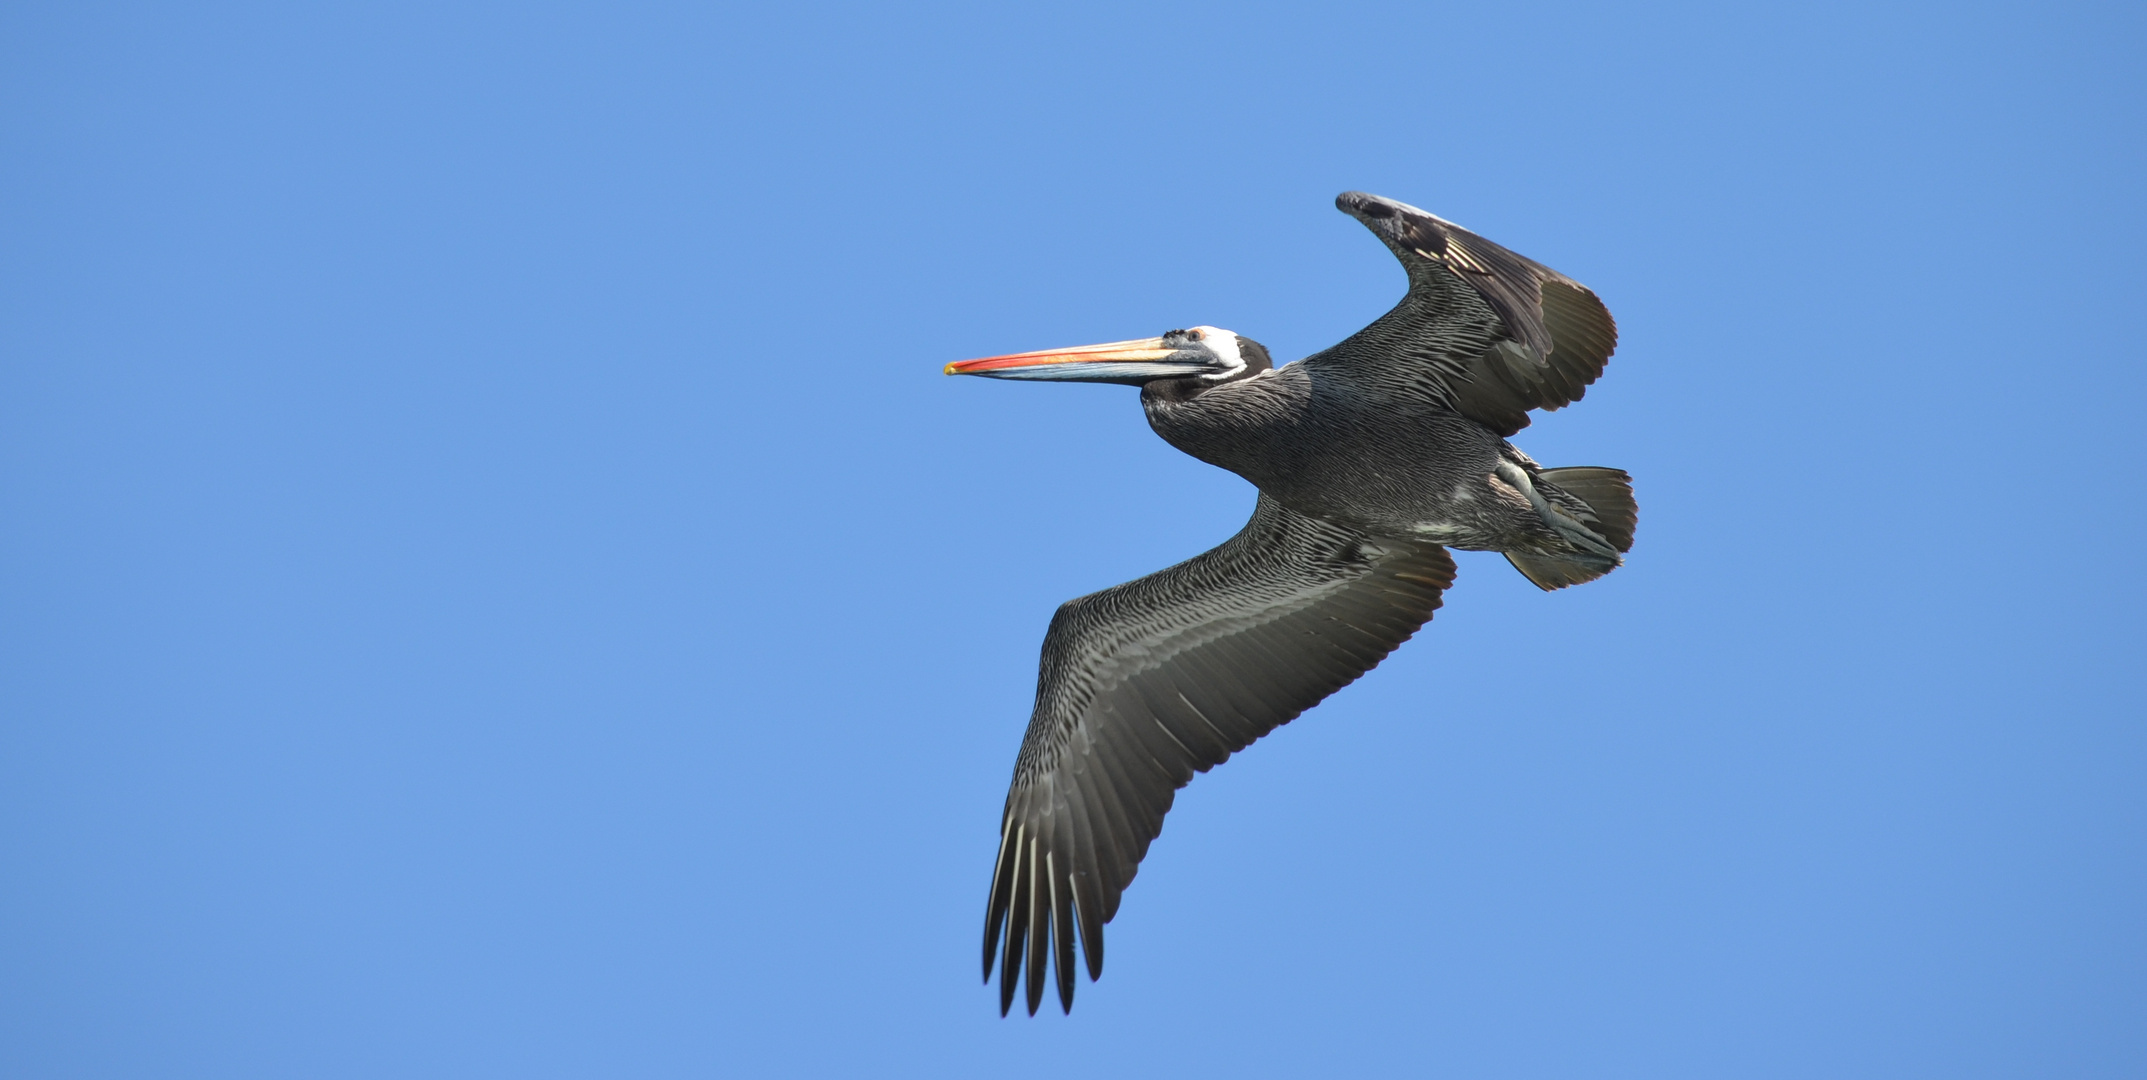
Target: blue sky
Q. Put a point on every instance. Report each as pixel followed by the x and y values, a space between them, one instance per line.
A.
pixel 493 582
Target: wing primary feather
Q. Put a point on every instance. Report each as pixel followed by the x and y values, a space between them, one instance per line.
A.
pixel 1062 933
pixel 1039 929
pixel 1142 816
pixel 1109 812
pixel 995 904
pixel 1085 908
pixel 1122 806
pixel 1016 928
pixel 1086 859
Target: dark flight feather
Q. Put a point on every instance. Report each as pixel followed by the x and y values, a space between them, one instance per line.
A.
pixel 1145 684
pixel 1491 333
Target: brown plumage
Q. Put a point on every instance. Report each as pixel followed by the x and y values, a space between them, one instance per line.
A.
pixel 1371 459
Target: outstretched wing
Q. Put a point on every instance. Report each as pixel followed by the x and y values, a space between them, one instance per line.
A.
pixel 1490 333
pixel 1145 684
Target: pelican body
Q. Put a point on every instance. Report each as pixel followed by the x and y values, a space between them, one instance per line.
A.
pixel 1371 459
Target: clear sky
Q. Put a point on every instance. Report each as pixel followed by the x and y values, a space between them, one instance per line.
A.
pixel 494 583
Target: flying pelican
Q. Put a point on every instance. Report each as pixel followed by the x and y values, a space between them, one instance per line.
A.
pixel 1372 458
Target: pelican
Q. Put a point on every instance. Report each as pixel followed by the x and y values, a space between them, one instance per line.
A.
pixel 1371 459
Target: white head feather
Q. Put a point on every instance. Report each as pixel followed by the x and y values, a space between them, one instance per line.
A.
pixel 1224 344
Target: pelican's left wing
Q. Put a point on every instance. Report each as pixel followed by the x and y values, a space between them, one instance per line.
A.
pixel 1145 684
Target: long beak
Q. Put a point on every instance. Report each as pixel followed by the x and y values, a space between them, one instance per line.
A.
pixel 1115 361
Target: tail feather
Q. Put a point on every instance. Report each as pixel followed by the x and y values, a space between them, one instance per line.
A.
pixel 1608 492
pixel 1558 571
pixel 1611 513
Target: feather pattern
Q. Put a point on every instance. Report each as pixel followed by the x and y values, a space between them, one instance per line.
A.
pixel 1371 458
pixel 1145 684
pixel 1489 333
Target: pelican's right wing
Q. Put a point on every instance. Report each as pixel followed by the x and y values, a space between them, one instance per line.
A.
pixel 1145 684
pixel 1488 332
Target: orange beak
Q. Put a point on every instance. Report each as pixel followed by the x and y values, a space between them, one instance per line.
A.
pixel 1115 361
